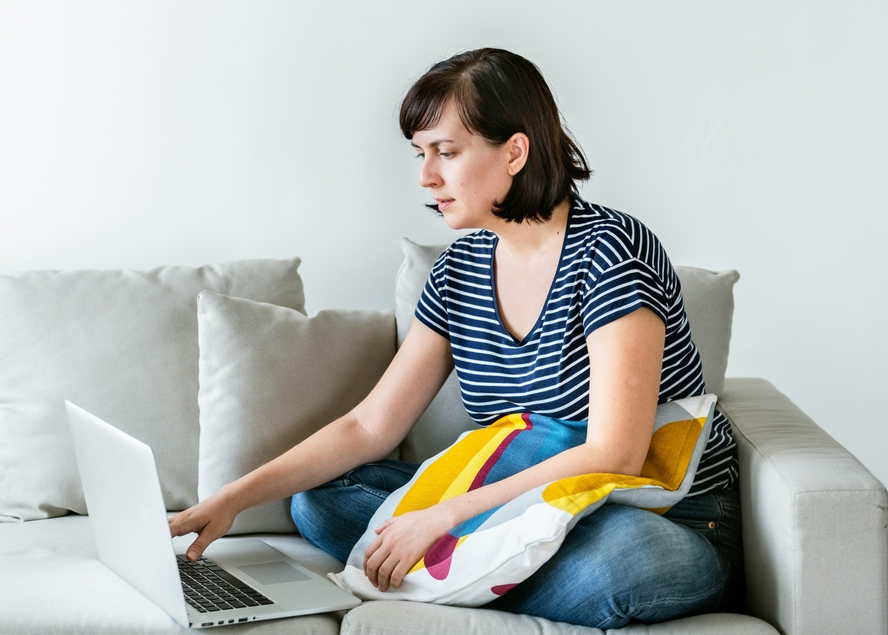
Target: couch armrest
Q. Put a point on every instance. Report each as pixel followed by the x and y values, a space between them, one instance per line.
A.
pixel 814 520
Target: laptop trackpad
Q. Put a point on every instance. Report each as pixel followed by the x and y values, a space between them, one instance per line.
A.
pixel 273 572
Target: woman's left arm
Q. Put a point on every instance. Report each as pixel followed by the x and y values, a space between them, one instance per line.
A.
pixel 625 363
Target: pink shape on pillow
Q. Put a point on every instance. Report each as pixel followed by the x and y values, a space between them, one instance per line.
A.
pixel 439 557
pixel 502 589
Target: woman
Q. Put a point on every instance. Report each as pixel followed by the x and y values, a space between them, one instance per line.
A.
pixel 555 306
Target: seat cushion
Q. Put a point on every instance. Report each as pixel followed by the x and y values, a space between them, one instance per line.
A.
pixel 51 581
pixel 410 618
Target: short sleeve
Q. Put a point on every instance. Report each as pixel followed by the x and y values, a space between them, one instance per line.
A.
pixel 431 309
pixel 622 288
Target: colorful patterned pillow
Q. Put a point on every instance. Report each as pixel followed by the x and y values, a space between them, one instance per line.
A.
pixel 489 554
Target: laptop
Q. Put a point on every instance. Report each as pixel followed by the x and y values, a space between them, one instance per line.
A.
pixel 236 581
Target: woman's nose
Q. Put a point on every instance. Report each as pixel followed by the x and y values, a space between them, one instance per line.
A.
pixel 428 176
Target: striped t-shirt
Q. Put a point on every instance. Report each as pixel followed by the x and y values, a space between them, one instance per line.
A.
pixel 610 266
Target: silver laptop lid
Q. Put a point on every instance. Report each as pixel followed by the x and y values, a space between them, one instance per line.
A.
pixel 127 512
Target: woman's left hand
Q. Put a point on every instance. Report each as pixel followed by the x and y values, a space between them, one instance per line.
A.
pixel 400 543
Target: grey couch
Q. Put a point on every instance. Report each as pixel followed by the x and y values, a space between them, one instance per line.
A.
pixel 814 519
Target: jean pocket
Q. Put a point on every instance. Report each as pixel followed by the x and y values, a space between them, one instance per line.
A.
pixel 707 529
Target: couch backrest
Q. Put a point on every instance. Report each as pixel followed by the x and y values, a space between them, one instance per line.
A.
pixel 123 345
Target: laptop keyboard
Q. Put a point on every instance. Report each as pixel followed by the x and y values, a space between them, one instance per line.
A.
pixel 208 587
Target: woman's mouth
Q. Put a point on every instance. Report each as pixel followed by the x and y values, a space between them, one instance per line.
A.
pixel 443 203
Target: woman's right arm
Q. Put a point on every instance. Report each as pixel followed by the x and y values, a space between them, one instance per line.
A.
pixel 368 433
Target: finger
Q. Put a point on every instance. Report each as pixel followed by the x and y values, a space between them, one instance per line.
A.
pixel 383 526
pixel 371 567
pixel 177 526
pixel 371 549
pixel 195 550
pixel 180 524
pixel 200 544
pixel 400 573
pixel 384 574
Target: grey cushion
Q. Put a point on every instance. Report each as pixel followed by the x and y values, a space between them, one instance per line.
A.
pixel 51 582
pixel 446 417
pixel 123 345
pixel 712 624
pixel 409 618
pixel 709 302
pixel 270 377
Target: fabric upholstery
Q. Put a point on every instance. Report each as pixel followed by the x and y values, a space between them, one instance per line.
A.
pixel 709 303
pixel 270 377
pixel 52 583
pixel 121 344
pixel 814 519
pixel 715 624
pixel 815 558
pixel 485 556
pixel 446 417
pixel 411 618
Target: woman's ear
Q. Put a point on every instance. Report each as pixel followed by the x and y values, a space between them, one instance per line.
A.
pixel 518 145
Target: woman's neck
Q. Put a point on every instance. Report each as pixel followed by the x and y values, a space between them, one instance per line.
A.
pixel 529 238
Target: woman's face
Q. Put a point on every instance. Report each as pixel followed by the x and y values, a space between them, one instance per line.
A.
pixel 464 174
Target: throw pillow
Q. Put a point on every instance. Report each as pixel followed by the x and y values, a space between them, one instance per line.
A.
pixel 270 377
pixel 709 303
pixel 122 344
pixel 489 554
pixel 446 417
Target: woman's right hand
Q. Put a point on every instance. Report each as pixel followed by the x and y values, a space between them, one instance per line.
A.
pixel 209 519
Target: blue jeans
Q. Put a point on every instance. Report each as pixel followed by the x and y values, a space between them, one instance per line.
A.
pixel 618 564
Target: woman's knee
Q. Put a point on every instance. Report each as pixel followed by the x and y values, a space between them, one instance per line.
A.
pixel 621 564
pixel 324 520
pixel 309 510
pixel 660 570
pixel 335 515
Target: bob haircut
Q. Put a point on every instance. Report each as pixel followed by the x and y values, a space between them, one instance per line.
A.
pixel 497 94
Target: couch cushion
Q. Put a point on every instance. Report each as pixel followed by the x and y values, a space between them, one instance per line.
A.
pixel 52 582
pixel 709 303
pixel 123 345
pixel 446 417
pixel 410 618
pixel 270 377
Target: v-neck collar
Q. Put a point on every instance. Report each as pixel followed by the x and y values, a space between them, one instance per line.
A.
pixel 559 266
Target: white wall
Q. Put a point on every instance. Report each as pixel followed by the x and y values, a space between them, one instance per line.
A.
pixel 748 135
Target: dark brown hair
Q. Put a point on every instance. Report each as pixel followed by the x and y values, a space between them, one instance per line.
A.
pixel 497 94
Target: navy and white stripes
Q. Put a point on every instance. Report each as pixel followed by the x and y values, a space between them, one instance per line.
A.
pixel 610 266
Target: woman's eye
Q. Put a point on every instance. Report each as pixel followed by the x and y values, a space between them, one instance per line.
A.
pixel 445 155
pixel 420 156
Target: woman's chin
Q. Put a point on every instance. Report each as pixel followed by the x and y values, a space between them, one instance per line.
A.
pixel 456 220
pixel 453 221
